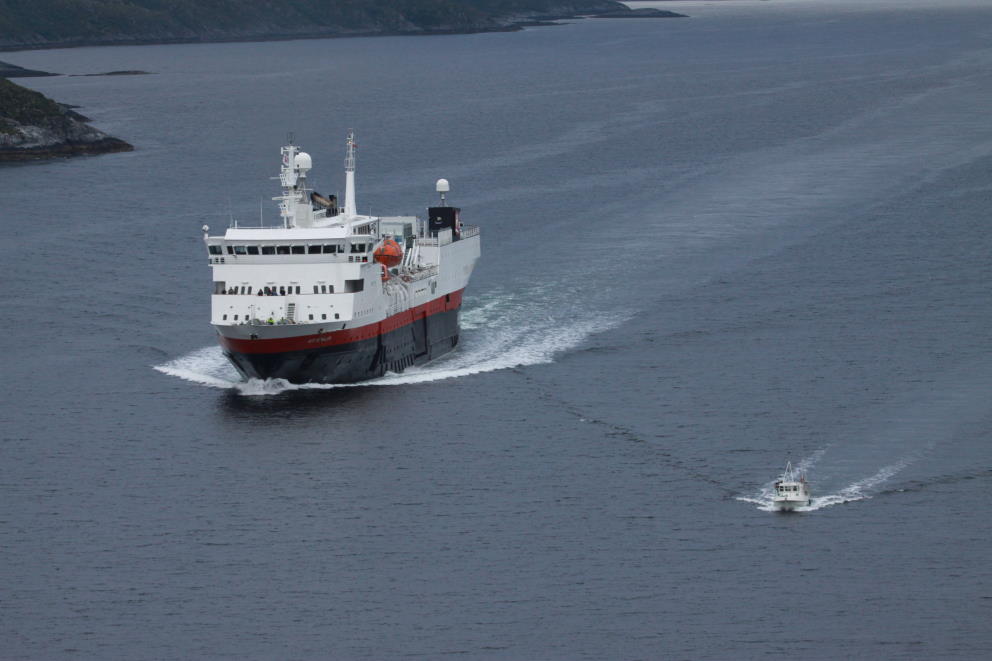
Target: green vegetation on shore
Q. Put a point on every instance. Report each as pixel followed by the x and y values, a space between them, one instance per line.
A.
pixel 49 23
pixel 23 106
pixel 34 126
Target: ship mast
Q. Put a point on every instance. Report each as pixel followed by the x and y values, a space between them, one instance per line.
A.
pixel 349 169
pixel 294 205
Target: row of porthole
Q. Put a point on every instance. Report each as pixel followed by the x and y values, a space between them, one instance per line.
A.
pixel 247 318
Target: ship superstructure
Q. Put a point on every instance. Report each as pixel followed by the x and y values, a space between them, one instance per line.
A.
pixel 333 296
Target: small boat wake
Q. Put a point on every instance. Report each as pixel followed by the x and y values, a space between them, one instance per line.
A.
pixel 494 337
pixel 858 490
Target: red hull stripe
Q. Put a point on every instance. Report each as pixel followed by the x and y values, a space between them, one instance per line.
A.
pixel 445 303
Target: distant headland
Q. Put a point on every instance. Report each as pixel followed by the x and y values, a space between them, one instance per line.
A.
pixel 57 24
pixel 33 126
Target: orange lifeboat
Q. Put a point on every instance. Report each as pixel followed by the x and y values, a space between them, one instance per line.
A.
pixel 388 254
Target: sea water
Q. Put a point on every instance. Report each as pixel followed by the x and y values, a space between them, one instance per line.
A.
pixel 710 246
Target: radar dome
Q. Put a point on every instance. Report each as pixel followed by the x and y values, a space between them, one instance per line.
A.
pixel 303 161
pixel 443 186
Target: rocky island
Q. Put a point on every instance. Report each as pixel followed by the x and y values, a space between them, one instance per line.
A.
pixel 57 23
pixel 33 126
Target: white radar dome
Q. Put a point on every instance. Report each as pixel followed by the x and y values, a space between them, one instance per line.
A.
pixel 303 161
pixel 443 186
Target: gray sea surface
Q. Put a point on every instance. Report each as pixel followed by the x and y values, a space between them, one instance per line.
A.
pixel 710 246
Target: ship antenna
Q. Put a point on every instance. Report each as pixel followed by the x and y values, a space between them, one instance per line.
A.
pixel 442 187
pixel 349 173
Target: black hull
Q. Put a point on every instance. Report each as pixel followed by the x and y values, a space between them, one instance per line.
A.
pixel 414 344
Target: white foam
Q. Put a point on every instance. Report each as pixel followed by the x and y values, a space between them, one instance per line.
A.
pixel 206 366
pixel 502 332
pixel 861 489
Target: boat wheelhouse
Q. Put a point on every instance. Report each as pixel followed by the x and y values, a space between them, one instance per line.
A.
pixel 791 490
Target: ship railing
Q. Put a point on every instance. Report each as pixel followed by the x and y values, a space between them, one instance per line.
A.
pixel 444 237
pixel 420 274
pixel 265 322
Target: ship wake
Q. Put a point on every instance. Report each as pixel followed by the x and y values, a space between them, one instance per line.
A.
pixel 494 336
pixel 860 489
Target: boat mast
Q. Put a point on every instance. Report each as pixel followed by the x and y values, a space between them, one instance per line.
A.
pixel 349 169
pixel 288 179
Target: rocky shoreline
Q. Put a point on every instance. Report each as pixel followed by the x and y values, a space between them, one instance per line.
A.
pixel 32 127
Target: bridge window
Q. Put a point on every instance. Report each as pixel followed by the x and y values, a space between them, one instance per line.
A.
pixel 252 250
pixel 299 250
pixel 268 250
pixel 323 289
pixel 240 250
pixel 315 289
pixel 230 250
pixel 358 247
pixel 297 289
pixel 313 250
pixel 332 249
pixel 214 250
pixel 219 287
pixel 282 250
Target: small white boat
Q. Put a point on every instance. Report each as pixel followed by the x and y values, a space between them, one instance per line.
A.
pixel 792 490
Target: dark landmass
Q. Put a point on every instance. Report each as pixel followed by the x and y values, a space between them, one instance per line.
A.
pixel 60 23
pixel 640 13
pixel 33 126
pixel 8 70
pixel 113 73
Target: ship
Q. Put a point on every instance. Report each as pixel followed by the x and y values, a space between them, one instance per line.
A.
pixel 329 295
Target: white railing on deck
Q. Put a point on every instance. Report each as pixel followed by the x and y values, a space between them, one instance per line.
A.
pixel 444 237
pixel 424 273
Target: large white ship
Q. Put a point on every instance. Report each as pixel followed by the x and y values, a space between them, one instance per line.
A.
pixel 331 296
